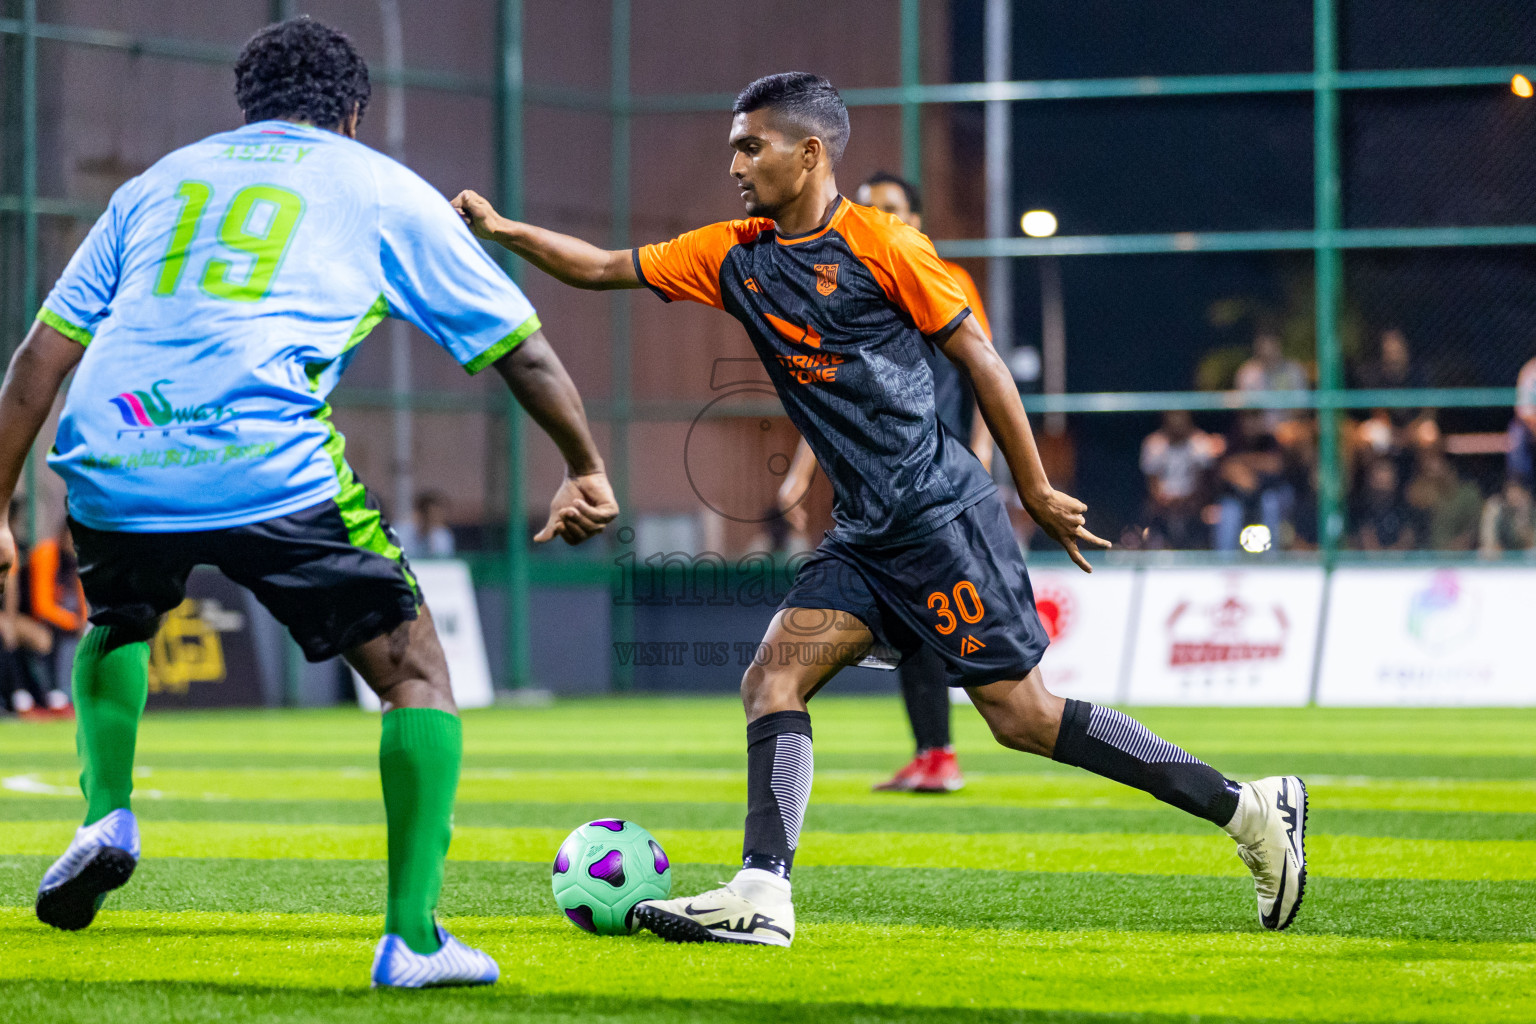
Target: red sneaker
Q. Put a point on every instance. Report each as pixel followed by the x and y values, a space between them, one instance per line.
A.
pixel 905 781
pixel 942 774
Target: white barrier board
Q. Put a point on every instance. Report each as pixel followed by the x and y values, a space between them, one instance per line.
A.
pixel 1430 637
pixel 1226 636
pixel 450 594
pixel 1086 618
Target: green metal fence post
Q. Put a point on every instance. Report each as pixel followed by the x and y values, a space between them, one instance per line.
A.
pixel 30 255
pixel 911 81
pixel 621 617
pixel 518 662
pixel 1329 264
pixel 1329 270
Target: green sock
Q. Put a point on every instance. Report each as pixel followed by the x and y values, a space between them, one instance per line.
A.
pixel 111 683
pixel 419 756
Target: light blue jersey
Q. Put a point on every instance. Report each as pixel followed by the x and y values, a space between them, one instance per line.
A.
pixel 221 296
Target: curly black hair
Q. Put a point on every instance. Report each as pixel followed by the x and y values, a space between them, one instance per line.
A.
pixel 301 70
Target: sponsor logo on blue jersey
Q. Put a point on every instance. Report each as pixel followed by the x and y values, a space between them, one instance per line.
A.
pixel 151 410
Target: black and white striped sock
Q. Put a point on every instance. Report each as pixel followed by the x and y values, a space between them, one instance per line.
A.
pixel 779 770
pixel 1118 747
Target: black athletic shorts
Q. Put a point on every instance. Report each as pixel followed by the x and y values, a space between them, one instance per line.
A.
pixel 335 580
pixel 961 591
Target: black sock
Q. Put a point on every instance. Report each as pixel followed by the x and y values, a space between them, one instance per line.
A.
pixel 927 696
pixel 779 769
pixel 1118 747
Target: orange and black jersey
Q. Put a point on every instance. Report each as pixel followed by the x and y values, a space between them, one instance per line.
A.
pixel 841 318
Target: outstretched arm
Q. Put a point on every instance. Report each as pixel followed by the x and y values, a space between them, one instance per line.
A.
pixel 797 481
pixel 32 383
pixel 560 256
pixel 1059 515
pixel 584 504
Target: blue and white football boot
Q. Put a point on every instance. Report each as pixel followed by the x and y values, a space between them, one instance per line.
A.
pixel 396 965
pixel 101 857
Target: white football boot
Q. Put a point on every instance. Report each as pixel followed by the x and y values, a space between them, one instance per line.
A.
pixel 754 907
pixel 396 965
pixel 1270 827
pixel 100 858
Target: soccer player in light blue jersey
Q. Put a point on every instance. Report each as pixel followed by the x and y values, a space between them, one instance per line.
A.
pixel 206 317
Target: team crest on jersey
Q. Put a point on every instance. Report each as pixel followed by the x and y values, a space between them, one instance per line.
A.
pixel 826 278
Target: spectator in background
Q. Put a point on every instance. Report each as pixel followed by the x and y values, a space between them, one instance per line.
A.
pixel 1509 520
pixel 23 640
pixel 1269 370
pixel 427 534
pixel 1177 459
pixel 1298 454
pixel 1400 430
pixel 1447 506
pixel 1522 429
pixel 1384 522
pixel 1392 367
pixel 1251 477
pixel 42 610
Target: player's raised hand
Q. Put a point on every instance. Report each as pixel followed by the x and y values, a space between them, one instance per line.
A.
pixel 580 509
pixel 1061 516
pixel 478 213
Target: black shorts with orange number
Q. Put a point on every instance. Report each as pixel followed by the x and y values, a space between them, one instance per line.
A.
pixel 961 591
pixel 334 581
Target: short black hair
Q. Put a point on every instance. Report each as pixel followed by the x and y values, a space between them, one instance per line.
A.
pixel 301 70
pixel 809 103
pixel 914 199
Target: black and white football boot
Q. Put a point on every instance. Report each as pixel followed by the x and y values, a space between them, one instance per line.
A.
pixel 753 907
pixel 1270 827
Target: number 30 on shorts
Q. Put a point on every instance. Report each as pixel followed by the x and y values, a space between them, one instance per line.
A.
pixel 967 603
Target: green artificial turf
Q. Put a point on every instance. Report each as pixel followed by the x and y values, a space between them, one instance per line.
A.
pixel 1037 894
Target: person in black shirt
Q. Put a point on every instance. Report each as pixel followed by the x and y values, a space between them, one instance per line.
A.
pixel 1386 522
pixel 842 303
pixel 924 683
pixel 1251 477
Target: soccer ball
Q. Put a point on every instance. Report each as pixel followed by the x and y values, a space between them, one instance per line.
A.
pixel 603 869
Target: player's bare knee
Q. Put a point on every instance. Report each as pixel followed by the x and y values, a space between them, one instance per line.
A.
pixel 768 688
pixel 406 666
pixel 1013 733
pixel 1020 724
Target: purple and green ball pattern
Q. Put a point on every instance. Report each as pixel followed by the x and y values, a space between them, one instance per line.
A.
pixel 603 869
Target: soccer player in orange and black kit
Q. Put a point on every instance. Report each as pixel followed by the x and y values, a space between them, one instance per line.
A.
pixel 924 681
pixel 842 302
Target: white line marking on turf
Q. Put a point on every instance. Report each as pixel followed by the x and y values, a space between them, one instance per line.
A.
pixel 37 787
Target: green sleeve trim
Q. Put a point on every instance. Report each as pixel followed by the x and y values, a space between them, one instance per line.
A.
pixel 376 312
pixel 64 327
pixel 503 346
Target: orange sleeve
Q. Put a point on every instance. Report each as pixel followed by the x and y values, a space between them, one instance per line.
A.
pixel 688 267
pixel 908 269
pixel 968 286
pixel 45 598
